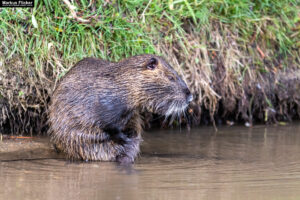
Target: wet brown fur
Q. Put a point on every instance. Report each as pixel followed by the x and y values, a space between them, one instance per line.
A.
pixel 94 111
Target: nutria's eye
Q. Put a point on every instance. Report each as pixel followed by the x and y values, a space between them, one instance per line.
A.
pixel 171 78
pixel 152 64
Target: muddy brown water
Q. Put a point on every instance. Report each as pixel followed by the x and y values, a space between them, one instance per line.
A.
pixel 234 163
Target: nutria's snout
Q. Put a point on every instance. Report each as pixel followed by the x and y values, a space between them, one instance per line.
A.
pixel 189 96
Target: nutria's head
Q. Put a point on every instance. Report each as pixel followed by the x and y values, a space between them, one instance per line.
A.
pixel 155 85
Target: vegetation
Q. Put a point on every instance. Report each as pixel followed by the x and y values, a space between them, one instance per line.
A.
pixel 240 57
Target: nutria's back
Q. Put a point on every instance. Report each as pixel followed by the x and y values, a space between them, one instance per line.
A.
pixel 94 113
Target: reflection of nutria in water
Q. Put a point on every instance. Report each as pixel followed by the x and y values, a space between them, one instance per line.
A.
pixel 94 113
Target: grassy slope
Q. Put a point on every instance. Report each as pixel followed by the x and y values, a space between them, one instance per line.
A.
pixel 237 35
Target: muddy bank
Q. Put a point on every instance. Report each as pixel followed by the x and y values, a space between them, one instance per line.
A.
pixel 222 96
pixel 12 149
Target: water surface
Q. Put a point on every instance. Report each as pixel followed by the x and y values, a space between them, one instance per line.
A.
pixel 234 163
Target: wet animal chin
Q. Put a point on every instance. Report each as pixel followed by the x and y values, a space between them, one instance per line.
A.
pixel 168 108
pixel 176 108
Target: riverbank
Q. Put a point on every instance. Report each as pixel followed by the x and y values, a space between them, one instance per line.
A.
pixel 240 59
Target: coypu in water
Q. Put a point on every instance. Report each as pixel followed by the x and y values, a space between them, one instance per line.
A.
pixel 94 111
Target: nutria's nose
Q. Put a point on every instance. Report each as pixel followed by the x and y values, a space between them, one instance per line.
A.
pixel 189 96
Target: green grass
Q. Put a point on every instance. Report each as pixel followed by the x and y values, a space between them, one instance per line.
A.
pixel 121 30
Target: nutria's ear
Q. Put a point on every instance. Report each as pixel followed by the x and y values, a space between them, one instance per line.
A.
pixel 152 63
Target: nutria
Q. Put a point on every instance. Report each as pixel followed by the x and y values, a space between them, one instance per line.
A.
pixel 94 111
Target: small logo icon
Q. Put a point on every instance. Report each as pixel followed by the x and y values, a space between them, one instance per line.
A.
pixel 17 3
